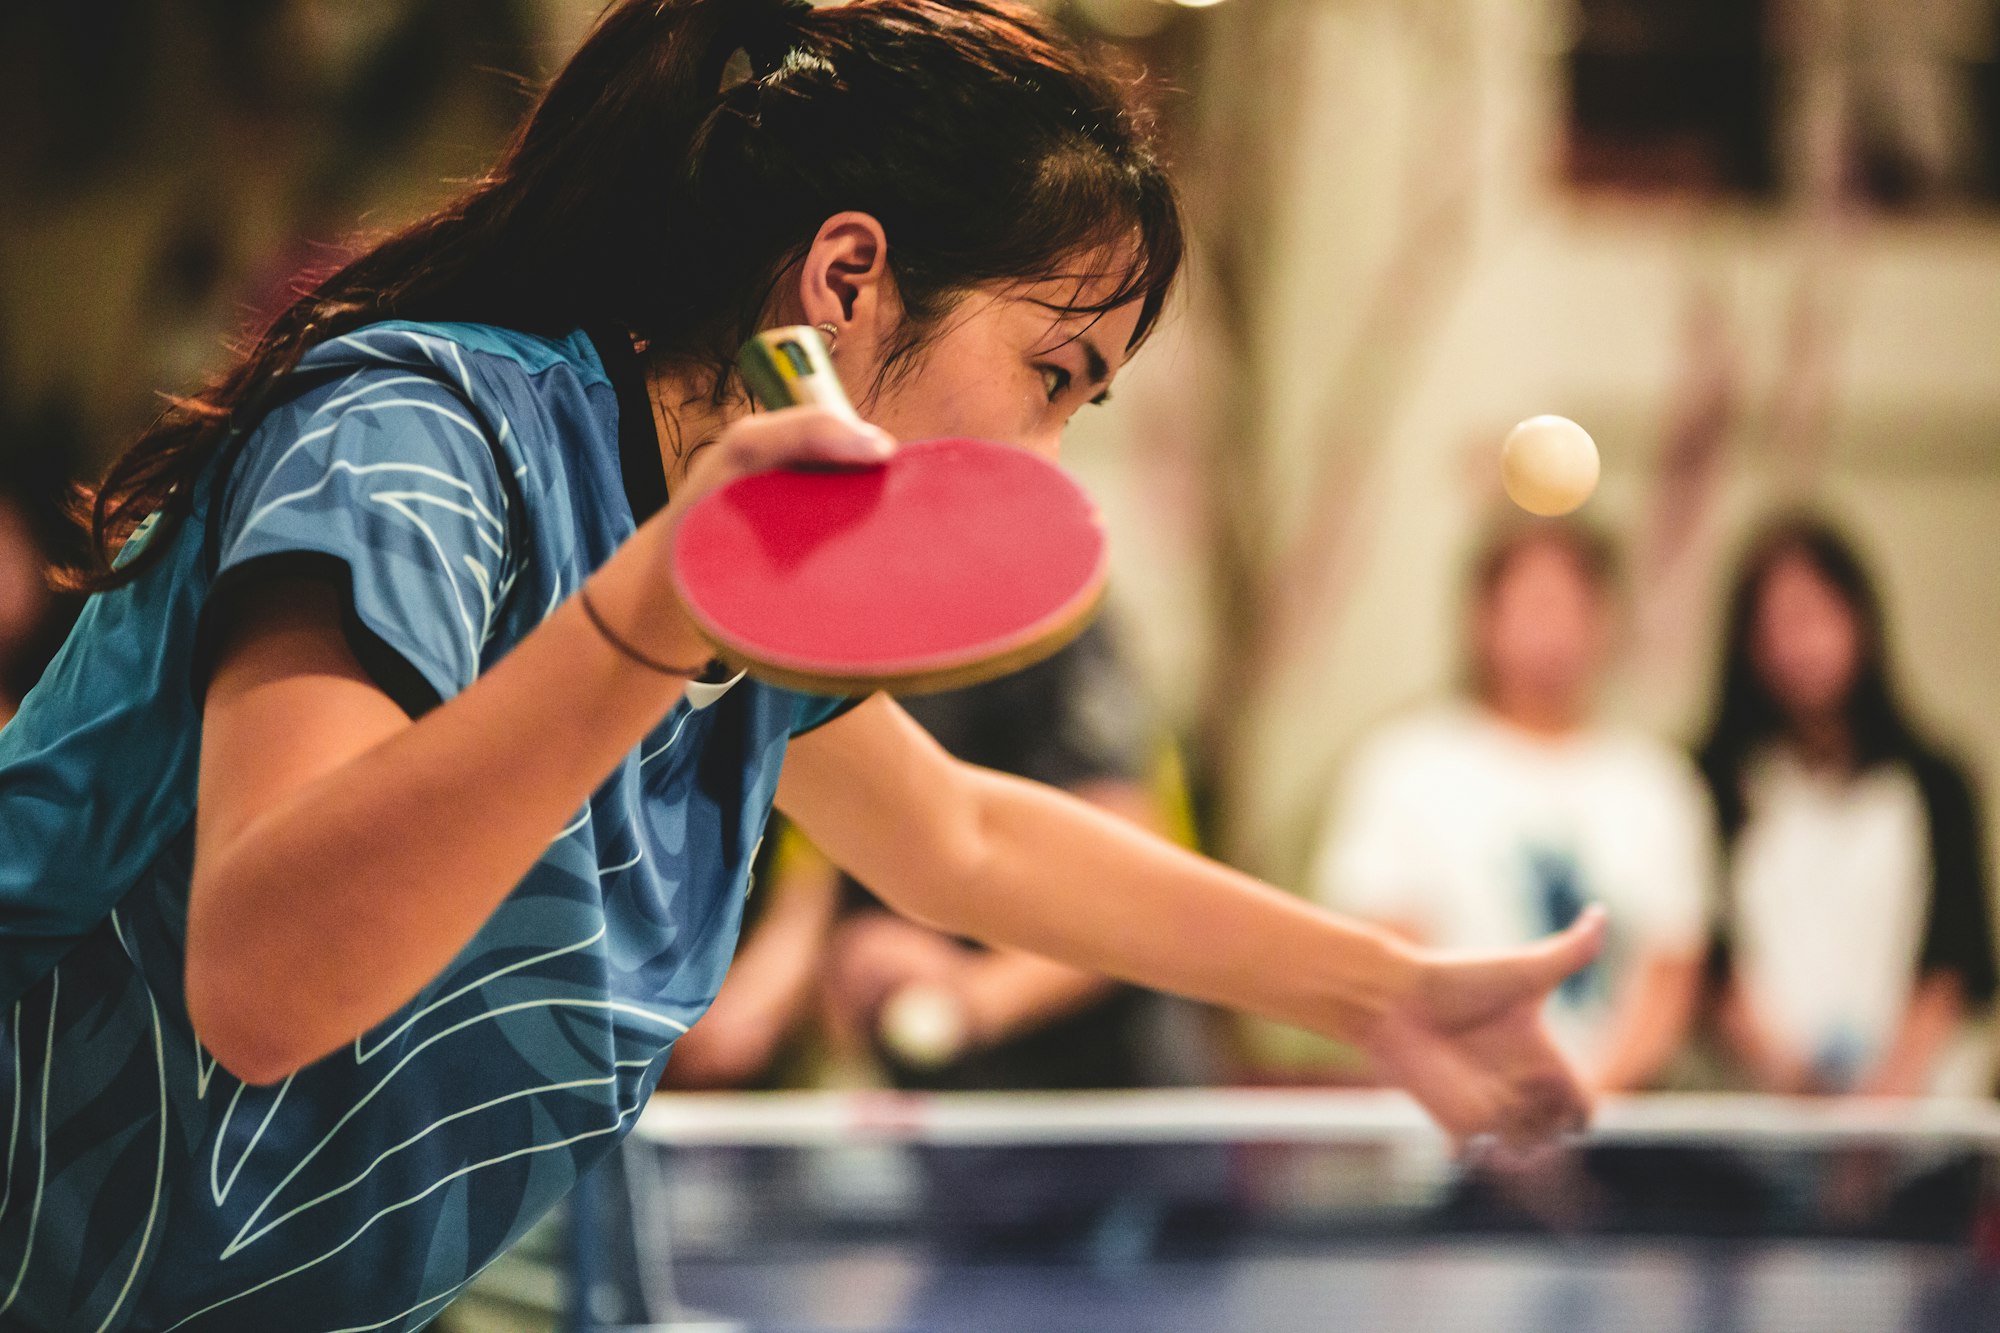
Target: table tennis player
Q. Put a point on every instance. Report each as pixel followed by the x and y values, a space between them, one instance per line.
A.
pixel 378 830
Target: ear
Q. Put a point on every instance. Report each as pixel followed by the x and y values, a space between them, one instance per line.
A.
pixel 845 281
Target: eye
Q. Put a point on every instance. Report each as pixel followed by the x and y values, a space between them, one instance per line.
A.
pixel 1055 381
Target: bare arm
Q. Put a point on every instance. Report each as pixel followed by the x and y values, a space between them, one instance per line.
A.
pixel 1929 1023
pixel 1771 1066
pixel 1650 1023
pixel 1006 861
pixel 1008 993
pixel 344 855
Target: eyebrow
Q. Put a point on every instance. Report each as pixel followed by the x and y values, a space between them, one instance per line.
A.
pixel 1094 363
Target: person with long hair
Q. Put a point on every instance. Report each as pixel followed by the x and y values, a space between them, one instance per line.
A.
pixel 381 825
pixel 1856 930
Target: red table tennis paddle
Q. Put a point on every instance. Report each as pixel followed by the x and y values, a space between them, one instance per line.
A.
pixel 954 562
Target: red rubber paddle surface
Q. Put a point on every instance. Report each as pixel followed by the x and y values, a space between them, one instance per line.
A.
pixel 955 561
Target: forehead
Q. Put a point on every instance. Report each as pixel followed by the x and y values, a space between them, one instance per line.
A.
pixel 1539 562
pixel 1794 577
pixel 1076 298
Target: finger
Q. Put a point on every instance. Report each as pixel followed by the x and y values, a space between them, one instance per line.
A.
pixel 1467 1110
pixel 807 435
pixel 1543 1118
pixel 1549 1106
pixel 1569 951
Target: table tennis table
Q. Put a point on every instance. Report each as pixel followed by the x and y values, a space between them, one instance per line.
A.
pixel 1273 1211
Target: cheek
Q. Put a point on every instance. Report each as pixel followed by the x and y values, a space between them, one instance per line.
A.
pixel 1772 646
pixel 1832 657
pixel 1805 661
pixel 1799 637
pixel 930 404
pixel 1513 640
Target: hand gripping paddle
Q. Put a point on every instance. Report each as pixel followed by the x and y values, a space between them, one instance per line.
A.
pixel 953 562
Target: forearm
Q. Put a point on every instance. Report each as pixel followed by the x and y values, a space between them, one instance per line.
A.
pixel 1771 1067
pixel 331 905
pixel 1008 993
pixel 1934 1014
pixel 1047 873
pixel 785 953
pixel 1651 1022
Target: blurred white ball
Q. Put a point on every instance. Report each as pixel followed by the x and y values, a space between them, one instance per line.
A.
pixel 923 1025
pixel 1549 465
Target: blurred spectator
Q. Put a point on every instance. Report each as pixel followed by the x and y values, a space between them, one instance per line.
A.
pixel 169 167
pixel 25 602
pixel 940 1012
pixel 999 1018
pixel 1486 822
pixel 1857 931
pixel 751 1035
pixel 34 534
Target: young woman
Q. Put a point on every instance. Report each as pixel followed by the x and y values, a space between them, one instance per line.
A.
pixel 1856 933
pixel 379 829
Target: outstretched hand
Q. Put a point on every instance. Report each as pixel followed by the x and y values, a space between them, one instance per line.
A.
pixel 1469 1042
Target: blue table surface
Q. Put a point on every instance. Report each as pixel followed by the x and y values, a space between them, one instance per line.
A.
pixel 1268 1238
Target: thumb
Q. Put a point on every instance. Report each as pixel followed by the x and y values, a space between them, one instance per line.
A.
pixel 1480 987
pixel 1569 950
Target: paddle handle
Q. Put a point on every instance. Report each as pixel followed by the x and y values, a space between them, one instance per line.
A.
pixel 791 367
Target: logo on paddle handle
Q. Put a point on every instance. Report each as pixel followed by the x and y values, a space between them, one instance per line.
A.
pixel 791 367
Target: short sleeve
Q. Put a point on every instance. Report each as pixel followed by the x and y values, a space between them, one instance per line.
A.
pixel 1375 845
pixel 813 711
pixel 386 478
pixel 1958 930
pixel 1672 903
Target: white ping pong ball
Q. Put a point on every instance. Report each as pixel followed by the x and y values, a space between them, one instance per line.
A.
pixel 1549 465
pixel 924 1026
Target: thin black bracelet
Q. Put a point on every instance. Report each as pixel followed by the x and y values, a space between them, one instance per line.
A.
pixel 626 649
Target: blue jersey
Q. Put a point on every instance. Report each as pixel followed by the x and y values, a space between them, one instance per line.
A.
pixel 459 481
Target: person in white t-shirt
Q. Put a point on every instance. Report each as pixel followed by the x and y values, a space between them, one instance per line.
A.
pixel 1483 822
pixel 1857 931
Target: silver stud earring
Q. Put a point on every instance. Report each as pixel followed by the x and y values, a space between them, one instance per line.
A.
pixel 832 332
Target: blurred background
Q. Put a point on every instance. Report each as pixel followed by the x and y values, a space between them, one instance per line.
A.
pixel 1752 245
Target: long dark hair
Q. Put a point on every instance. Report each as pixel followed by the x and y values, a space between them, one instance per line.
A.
pixel 642 193
pixel 1748 716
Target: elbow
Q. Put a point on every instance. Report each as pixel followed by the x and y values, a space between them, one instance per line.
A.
pixel 947 876
pixel 257 1068
pixel 246 1008
pixel 935 871
pixel 240 1025
pixel 249 1047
